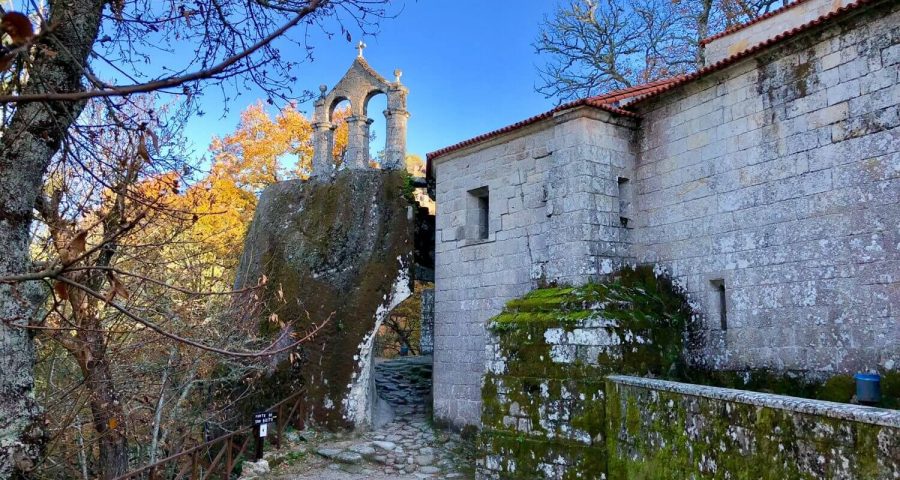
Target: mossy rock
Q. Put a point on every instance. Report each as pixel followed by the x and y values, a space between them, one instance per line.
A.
pixel 329 251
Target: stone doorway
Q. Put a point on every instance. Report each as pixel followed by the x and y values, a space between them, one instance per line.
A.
pixel 402 362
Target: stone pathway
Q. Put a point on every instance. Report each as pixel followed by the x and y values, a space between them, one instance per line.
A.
pixel 407 448
pixel 403 445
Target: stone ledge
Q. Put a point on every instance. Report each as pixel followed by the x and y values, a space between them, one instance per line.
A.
pixel 857 413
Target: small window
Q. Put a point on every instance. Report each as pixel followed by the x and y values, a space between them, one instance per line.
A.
pixel 478 215
pixel 720 302
pixel 624 202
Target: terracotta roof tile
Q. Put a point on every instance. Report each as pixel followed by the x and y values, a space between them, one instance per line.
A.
pixel 726 62
pixel 736 28
pixel 604 102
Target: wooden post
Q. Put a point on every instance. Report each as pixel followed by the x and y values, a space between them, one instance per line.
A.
pixel 259 444
pixel 228 460
pixel 152 475
pixel 281 420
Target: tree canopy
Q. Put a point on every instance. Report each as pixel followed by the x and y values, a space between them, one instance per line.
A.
pixel 594 46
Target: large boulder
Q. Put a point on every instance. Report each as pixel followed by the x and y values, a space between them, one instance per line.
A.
pixel 338 250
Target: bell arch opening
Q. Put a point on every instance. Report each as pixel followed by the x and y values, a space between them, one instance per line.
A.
pixel 374 109
pixel 338 113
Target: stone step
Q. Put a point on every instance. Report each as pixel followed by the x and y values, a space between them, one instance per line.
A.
pixel 405 383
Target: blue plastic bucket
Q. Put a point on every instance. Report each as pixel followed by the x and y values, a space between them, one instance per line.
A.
pixel 868 387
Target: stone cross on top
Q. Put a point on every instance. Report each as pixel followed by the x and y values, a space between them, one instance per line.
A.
pixel 360 46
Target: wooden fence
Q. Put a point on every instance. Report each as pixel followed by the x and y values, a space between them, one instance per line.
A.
pixel 216 459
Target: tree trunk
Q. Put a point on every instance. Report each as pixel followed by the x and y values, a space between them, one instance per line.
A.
pixel 108 417
pixel 32 137
pixel 703 30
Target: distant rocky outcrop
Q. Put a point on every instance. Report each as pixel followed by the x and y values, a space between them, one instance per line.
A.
pixel 339 249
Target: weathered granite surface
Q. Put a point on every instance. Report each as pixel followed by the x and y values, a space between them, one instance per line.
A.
pixel 358 86
pixel 781 176
pixel 555 404
pixel 662 430
pixel 337 250
pixel 543 396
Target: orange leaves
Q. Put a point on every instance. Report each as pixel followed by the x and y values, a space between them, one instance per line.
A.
pixel 62 290
pixel 255 155
pixel 341 132
pixel 18 27
pixel 79 244
pixel 72 247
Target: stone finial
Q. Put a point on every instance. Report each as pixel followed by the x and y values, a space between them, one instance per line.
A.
pixel 397 74
pixel 360 46
pixel 323 89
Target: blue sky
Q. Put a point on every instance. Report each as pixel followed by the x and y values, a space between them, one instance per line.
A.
pixel 469 66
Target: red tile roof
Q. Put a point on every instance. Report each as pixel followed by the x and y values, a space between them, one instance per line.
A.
pixel 604 102
pixel 729 31
pixel 609 101
pixel 726 62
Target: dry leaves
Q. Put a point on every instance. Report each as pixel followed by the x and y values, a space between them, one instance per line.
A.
pixel 18 27
pixel 116 288
pixel 62 290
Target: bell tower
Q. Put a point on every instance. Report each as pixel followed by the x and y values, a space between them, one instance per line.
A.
pixel 358 86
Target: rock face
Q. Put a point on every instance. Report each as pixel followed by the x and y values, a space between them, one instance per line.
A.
pixel 333 250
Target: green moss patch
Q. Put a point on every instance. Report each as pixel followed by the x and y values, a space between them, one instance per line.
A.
pixel 548 403
pixel 545 397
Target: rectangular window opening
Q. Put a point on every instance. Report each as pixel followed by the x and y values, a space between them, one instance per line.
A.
pixel 484 208
pixel 479 214
pixel 624 192
pixel 721 300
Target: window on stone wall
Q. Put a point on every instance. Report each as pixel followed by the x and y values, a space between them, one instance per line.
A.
pixel 625 202
pixel 478 214
pixel 719 302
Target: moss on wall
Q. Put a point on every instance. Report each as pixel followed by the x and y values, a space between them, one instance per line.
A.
pixel 654 434
pixel 546 405
pixel 544 402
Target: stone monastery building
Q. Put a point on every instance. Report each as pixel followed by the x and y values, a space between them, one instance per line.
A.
pixel 767 183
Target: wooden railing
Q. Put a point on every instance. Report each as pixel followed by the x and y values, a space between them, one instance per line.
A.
pixel 199 463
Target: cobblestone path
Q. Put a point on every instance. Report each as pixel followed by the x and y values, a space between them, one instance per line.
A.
pixel 402 445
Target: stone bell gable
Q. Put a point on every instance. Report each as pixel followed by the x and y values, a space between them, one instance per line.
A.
pixel 358 86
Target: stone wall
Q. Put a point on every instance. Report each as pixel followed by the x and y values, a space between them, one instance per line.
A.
pixel 550 192
pixel 551 410
pixel 426 337
pixel 799 12
pixel 660 430
pixel 548 353
pixel 780 176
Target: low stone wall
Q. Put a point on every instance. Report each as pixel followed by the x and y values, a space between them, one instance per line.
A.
pixel 658 429
pixel 554 407
pixel 543 394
